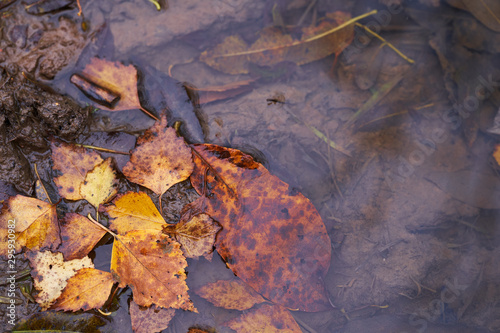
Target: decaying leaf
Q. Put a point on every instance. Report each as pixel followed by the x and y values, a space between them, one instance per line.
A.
pixel 233 55
pixel 267 318
pixel 272 237
pixel 197 236
pixel 160 160
pixel 73 162
pixel 79 236
pixel 218 93
pixel 51 273
pixel 230 294
pixel 34 223
pixel 100 184
pixel 486 11
pixel 150 320
pixel 116 78
pixel 152 264
pixel 133 211
pixel 88 289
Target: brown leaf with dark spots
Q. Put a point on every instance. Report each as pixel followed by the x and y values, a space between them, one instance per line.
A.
pixel 272 237
pixel 150 320
pixel 160 160
pixel 152 264
pixel 269 318
pixel 230 294
pixel 79 236
pixel 88 289
pixel 33 223
pixel 74 163
pixel 197 236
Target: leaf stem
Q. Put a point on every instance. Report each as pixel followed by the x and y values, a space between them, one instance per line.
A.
pixel 101 226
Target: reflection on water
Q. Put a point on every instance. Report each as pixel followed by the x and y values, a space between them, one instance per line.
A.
pixel 394 150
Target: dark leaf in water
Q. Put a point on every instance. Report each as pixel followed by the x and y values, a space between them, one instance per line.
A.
pixel 474 188
pixel 60 321
pixel 486 11
pixel 48 6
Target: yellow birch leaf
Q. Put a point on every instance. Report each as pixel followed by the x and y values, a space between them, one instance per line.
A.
pixel 33 223
pixel 152 264
pixel 100 184
pixel 88 289
pixel 269 318
pixel 160 160
pixel 133 211
pixel 73 162
pixel 51 273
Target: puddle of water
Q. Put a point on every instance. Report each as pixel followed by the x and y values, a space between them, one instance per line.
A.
pixel 413 250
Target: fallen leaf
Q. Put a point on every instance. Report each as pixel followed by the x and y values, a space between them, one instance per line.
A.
pixel 88 289
pixel 230 294
pixel 79 236
pixel 272 237
pixel 218 93
pixel 233 55
pixel 133 211
pixel 486 11
pixel 73 162
pixel 160 160
pixel 53 321
pixel 150 320
pixel 496 154
pixel 117 78
pixel 51 273
pixel 197 236
pixel 267 318
pixel 152 264
pixel 100 184
pixel 34 223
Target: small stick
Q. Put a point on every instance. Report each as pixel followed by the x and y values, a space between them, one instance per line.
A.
pixel 106 150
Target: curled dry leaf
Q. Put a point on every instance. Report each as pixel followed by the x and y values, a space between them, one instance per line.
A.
pixel 51 273
pixel 160 160
pixel 267 318
pixel 272 237
pixel 88 289
pixel 100 184
pixel 234 56
pixel 197 236
pixel 152 264
pixel 34 223
pixel 79 236
pixel 230 294
pixel 133 211
pixel 74 163
pixel 150 320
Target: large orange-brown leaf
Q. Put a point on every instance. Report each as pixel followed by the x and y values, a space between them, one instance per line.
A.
pixel 272 237
pixel 100 184
pixel 267 318
pixel 32 222
pixel 233 55
pixel 51 273
pixel 230 294
pixel 150 320
pixel 133 211
pixel 79 236
pixel 73 162
pixel 196 236
pixel 160 160
pixel 152 264
pixel 88 289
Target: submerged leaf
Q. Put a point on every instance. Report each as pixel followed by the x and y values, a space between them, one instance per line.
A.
pixel 150 320
pixel 267 318
pixel 152 264
pixel 233 55
pixel 230 294
pixel 272 237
